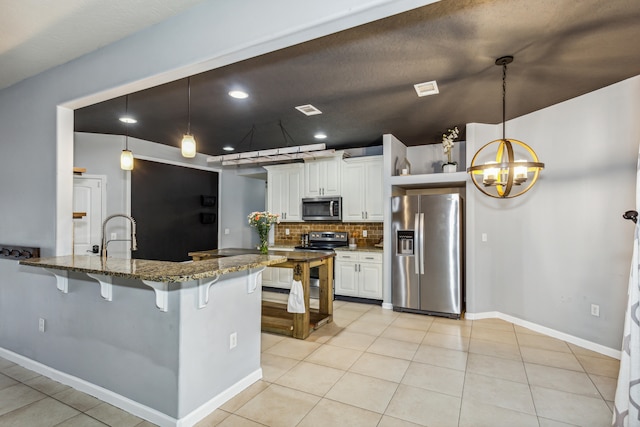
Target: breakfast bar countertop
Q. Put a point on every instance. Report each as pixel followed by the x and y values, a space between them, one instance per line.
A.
pixel 298 255
pixel 158 271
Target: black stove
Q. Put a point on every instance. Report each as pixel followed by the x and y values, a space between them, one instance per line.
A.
pixel 325 241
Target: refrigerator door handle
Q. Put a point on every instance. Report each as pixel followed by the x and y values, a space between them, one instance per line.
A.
pixel 421 243
pixel 416 244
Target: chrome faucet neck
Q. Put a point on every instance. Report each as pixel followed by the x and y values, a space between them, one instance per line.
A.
pixel 134 243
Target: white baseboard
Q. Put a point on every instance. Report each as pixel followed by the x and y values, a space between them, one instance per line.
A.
pixel 387 306
pixel 131 406
pixel 598 348
pixel 219 400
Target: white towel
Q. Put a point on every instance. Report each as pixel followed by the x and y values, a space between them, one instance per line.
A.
pixel 296 298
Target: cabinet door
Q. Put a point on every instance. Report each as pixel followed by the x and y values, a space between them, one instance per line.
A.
pixel 312 185
pixel 285 277
pixel 373 205
pixel 267 276
pixel 322 177
pixel 370 280
pixel 284 191
pixel 293 198
pixel 276 190
pixel 331 173
pixel 346 279
pixel 353 184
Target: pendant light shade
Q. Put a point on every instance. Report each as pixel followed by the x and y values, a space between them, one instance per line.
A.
pixel 505 168
pixel 188 145
pixel 126 160
pixel 126 157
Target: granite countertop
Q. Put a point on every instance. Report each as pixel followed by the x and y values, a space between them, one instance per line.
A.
pixel 297 255
pixel 359 249
pixel 158 271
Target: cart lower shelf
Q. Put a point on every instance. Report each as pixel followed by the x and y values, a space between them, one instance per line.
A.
pixel 276 319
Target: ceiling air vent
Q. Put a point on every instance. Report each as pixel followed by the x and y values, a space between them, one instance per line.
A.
pixel 426 88
pixel 308 110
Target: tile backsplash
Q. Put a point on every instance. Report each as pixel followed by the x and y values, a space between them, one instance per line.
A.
pixel 355 229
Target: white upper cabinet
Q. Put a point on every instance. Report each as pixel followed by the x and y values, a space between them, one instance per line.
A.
pixel 284 191
pixel 362 189
pixel 323 177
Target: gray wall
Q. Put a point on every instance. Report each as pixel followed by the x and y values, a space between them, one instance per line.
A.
pixel 239 197
pixel 563 246
pixel 36 134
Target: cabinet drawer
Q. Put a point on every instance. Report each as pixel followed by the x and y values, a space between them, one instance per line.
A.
pixel 347 256
pixel 370 257
pixel 356 256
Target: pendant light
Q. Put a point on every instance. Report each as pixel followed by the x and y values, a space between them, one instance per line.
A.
pixel 494 169
pixel 126 157
pixel 188 141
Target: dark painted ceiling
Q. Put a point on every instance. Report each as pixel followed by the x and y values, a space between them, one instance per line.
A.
pixel 362 79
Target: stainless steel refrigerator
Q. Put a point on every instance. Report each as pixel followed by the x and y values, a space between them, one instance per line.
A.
pixel 427 260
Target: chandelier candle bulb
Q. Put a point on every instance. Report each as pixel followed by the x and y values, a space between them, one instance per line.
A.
pixel 490 175
pixel 520 172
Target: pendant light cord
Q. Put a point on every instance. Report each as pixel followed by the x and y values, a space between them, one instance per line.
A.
pixel 126 125
pixel 189 106
pixel 504 98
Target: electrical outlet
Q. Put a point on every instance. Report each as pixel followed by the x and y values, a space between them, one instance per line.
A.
pixel 364 233
pixel 233 340
pixel 286 231
pixel 484 237
pixel 226 231
pixel 595 310
pixel 41 323
pixel 114 236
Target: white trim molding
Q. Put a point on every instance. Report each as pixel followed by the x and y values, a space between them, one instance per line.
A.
pixel 598 348
pixel 129 405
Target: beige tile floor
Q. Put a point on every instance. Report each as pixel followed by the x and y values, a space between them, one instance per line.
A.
pixel 375 367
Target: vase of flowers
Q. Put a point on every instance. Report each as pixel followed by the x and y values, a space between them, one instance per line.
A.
pixel 447 144
pixel 262 222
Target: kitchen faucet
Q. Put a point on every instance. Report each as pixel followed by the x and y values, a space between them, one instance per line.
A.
pixel 105 242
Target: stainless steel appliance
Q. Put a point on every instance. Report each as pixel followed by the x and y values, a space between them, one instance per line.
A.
pixel 322 241
pixel 427 254
pixel 322 209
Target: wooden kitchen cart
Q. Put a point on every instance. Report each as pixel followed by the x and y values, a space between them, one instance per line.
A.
pixel 275 317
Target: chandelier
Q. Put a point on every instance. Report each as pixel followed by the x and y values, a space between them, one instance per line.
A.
pixel 505 168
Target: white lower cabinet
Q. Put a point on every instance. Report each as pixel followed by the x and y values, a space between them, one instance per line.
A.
pixel 278 277
pixel 359 274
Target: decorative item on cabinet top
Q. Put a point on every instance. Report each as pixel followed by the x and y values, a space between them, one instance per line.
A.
pixel 18 252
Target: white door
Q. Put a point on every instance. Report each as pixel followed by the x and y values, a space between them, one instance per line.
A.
pixel 88 197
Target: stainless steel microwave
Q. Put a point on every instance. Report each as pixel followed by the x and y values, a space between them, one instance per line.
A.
pixel 322 209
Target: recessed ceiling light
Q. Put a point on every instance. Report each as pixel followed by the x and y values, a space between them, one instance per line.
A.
pixel 308 110
pixel 128 120
pixel 238 94
pixel 426 88
pixel 228 148
pixel 320 135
